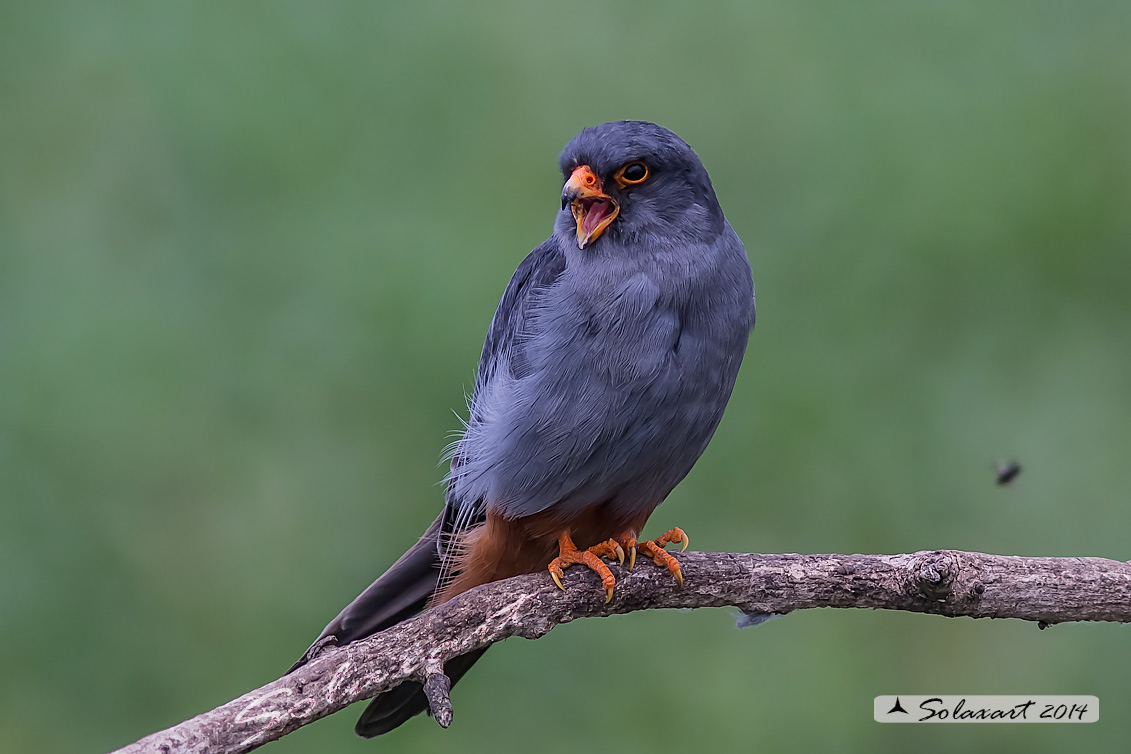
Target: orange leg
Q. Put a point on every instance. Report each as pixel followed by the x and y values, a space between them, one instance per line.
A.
pixel 568 555
pixel 654 549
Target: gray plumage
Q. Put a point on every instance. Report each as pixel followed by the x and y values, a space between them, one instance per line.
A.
pixel 604 374
pixel 606 370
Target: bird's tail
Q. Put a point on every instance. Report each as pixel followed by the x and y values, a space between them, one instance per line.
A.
pixel 395 706
pixel 400 593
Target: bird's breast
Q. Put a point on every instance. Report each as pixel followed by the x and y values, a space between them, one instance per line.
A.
pixel 622 336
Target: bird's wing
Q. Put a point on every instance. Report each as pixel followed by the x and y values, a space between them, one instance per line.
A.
pixel 409 583
pixel 502 360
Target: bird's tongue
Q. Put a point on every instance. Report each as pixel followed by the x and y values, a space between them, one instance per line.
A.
pixel 595 212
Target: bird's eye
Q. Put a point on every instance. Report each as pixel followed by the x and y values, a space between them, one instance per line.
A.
pixel 632 174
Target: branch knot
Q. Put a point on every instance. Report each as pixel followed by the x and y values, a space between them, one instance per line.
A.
pixel 934 574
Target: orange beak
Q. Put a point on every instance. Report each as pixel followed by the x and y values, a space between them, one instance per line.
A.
pixel 593 209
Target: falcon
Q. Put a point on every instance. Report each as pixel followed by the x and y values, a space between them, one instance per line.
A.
pixel 605 371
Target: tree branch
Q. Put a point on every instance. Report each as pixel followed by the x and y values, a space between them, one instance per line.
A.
pixel 946 582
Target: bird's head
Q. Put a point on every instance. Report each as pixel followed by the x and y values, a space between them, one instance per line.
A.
pixel 630 179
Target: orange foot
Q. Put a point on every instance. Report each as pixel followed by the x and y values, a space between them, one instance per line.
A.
pixel 568 555
pixel 654 549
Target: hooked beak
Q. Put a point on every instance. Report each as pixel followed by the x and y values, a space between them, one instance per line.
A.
pixel 593 209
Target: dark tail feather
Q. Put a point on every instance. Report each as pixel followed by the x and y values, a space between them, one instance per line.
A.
pixel 400 592
pixel 395 706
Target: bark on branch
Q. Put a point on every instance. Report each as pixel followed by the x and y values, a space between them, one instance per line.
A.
pixel 945 582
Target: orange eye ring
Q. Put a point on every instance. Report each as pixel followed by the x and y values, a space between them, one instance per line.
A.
pixel 632 174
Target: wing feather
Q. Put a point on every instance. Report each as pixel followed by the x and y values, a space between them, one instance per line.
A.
pixel 501 361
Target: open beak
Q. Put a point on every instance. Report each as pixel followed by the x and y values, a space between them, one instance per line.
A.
pixel 593 209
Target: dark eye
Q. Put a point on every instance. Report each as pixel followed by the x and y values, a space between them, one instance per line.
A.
pixel 632 173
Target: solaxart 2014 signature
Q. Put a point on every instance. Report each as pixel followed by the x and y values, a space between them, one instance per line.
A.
pixel 913 708
pixel 935 707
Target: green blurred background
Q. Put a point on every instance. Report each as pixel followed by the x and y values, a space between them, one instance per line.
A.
pixel 248 253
